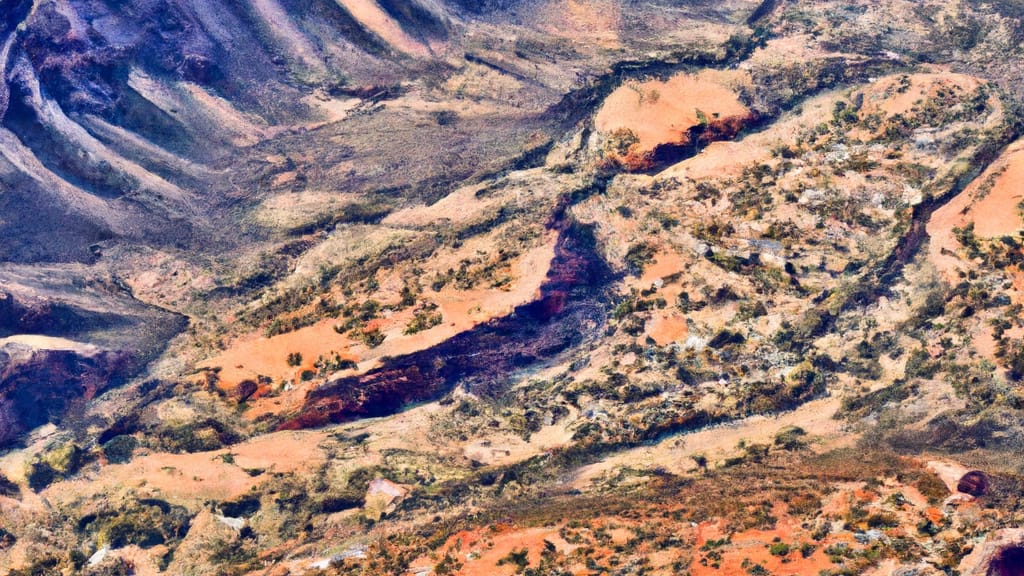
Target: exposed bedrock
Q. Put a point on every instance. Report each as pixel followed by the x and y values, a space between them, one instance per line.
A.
pixel 40 381
pixel 572 303
pixel 697 138
pixel 1001 554
pixel 62 342
pixel 975 483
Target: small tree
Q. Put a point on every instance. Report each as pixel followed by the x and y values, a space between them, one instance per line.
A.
pixel 1015 361
pixel 701 461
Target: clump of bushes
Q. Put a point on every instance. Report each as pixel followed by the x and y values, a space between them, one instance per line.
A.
pixel 245 506
pixel 790 438
pixel 333 363
pixel 118 449
pixel 425 318
pixel 8 488
pixel 639 256
pixel 144 523
pixel 6 539
pixel 372 338
pixel 54 464
pixel 202 436
pixel 518 558
pixel 726 337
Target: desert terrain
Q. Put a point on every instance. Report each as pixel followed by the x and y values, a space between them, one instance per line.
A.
pixel 539 287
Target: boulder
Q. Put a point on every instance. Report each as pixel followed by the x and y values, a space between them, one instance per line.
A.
pixel 382 497
pixel 975 483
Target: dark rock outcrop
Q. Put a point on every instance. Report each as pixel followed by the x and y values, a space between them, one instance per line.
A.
pixel 696 138
pixel 63 340
pixel 39 383
pixel 1007 562
pixel 50 318
pixel 572 304
pixel 1000 554
pixel 975 483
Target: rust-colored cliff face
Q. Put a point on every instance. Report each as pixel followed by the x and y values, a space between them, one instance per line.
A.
pixel 38 385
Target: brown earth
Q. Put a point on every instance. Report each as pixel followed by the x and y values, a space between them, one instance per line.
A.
pixel 253 356
pixel 990 204
pixel 650 114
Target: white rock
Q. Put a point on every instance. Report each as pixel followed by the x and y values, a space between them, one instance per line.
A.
pixel 694 342
pixel 234 523
pixel 99 556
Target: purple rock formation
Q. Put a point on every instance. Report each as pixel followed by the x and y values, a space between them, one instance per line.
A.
pixel 975 483
pixel 38 385
pixel 571 305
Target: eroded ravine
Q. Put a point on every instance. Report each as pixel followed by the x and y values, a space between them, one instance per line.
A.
pixel 573 304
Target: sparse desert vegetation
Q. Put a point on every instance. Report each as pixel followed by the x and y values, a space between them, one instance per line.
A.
pixel 541 287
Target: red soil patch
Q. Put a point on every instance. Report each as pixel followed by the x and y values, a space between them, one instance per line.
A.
pixel 752 547
pixel 998 214
pixel 990 203
pixel 666 328
pixel 640 117
pixel 253 356
pixel 865 495
pixel 665 264
pixel 481 550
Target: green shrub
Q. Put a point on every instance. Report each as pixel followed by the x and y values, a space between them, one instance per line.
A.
pixel 118 449
pixel 48 566
pixel 639 256
pixel 52 465
pixel 201 436
pixel 372 338
pixel 6 539
pixel 882 520
pixel 920 365
pixel 790 438
pixel 328 364
pixel 932 487
pixel 726 337
pixel 39 475
pixel 65 459
pixel 245 506
pixel 425 318
pixel 518 558
pixel 144 523
pixel 8 488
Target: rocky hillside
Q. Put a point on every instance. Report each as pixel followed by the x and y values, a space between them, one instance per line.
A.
pixel 511 287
